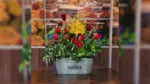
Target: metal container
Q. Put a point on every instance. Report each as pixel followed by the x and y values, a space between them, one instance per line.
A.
pixel 67 66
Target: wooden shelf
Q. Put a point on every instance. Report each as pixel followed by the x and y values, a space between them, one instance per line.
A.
pixel 10 47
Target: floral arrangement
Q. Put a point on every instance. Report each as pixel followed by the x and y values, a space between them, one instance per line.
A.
pixel 38 26
pixel 75 41
pixel 37 40
pixel 38 11
pixel 10 12
pixel 37 31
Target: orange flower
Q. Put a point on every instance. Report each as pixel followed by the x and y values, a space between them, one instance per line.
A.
pixel 35 14
pixel 3 14
pixel 8 36
pixel 37 40
pixel 2 5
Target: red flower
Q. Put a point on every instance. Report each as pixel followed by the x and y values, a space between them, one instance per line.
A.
pixel 97 36
pixel 35 6
pixel 48 14
pixel 81 37
pixel 63 17
pixel 89 27
pixel 42 13
pixel 76 42
pixel 58 30
pixel 55 37
pixel 66 30
pixel 66 36
pixel 79 44
pixel 60 23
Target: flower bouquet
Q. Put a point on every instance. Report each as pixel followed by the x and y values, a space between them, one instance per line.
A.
pixel 37 12
pixel 37 31
pixel 10 12
pixel 73 46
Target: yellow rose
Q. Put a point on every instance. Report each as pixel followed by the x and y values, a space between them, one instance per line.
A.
pixel 40 25
pixel 33 27
pixel 77 27
pixel 14 8
pixel 40 3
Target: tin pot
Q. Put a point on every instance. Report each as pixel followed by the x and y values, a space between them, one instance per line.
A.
pixel 68 66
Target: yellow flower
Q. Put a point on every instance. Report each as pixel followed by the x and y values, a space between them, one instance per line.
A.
pixel 40 3
pixel 33 27
pixel 40 25
pixel 77 27
pixel 14 8
pixel 3 14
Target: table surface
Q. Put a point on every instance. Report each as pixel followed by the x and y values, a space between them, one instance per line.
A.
pixel 98 76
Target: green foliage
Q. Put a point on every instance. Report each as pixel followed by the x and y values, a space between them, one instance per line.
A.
pixel 26 50
pixel 125 38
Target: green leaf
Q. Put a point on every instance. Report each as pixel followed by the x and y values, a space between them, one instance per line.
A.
pixel 21 67
pixel 51 32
